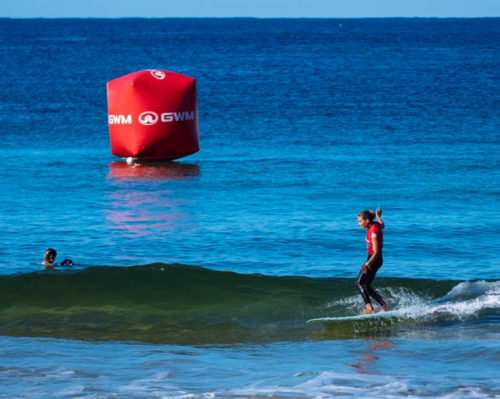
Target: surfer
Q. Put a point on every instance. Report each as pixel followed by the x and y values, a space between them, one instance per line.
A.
pixel 50 257
pixel 374 241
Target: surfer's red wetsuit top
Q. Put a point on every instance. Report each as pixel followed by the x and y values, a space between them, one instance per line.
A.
pixel 374 231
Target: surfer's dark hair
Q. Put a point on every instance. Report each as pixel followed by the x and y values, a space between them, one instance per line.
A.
pixel 367 214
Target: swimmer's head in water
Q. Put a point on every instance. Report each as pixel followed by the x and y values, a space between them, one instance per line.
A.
pixel 365 218
pixel 50 256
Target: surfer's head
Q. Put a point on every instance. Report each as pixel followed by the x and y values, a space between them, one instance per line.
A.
pixel 50 256
pixel 365 218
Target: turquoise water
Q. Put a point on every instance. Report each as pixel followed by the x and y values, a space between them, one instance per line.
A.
pixel 196 278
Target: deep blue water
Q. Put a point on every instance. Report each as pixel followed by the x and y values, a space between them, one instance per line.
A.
pixel 303 123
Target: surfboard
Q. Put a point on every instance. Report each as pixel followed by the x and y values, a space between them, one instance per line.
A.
pixel 323 320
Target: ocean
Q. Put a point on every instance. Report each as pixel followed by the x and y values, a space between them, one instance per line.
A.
pixel 196 278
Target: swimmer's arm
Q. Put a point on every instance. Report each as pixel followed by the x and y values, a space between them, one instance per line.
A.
pixel 379 218
pixel 66 262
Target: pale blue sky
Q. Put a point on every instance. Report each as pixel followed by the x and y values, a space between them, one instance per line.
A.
pixel 249 8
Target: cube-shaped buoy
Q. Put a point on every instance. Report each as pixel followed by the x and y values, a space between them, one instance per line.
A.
pixel 153 115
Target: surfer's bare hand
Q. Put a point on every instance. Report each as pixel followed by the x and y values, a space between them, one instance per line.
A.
pixel 364 268
pixel 378 212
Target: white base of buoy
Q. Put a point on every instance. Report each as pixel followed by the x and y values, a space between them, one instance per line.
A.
pixel 130 160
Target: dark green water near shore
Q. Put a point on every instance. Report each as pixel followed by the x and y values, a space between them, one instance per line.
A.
pixel 180 304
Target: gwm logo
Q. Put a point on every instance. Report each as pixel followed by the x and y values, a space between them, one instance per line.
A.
pixel 120 119
pixel 177 116
pixel 158 74
pixel 148 118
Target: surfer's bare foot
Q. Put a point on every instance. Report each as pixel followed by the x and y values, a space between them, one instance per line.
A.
pixel 369 309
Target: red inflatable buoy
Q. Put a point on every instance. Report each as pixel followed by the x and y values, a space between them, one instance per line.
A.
pixel 153 115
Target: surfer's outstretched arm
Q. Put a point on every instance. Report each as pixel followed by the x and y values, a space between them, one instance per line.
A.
pixel 379 217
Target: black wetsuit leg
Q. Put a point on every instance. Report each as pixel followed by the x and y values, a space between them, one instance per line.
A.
pixel 365 280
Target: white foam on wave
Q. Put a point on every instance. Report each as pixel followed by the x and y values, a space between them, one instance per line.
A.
pixel 463 301
pixel 328 384
pixel 160 379
pixel 331 384
pixel 206 395
pixel 76 390
pixel 335 383
pixel 160 385
pixel 474 288
pixel 397 297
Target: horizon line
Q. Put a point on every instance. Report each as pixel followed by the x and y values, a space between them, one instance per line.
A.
pixel 381 17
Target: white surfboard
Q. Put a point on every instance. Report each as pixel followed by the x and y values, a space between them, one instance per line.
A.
pixel 323 320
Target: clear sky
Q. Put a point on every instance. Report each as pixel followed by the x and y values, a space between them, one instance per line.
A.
pixel 248 8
